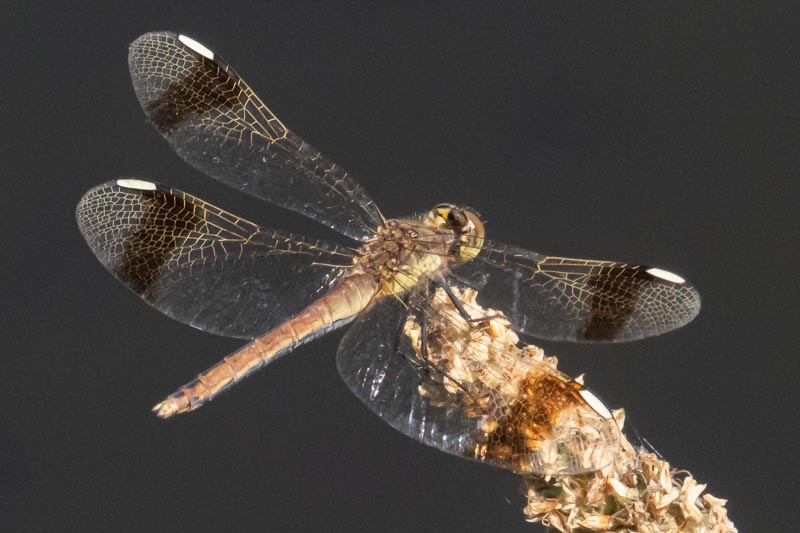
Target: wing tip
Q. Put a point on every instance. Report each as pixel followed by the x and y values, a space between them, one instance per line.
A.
pixel 595 403
pixel 666 275
pixel 196 46
pixel 192 44
pixel 133 183
pixel 151 36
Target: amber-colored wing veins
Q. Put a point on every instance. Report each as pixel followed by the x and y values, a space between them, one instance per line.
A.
pixel 560 298
pixel 201 265
pixel 214 120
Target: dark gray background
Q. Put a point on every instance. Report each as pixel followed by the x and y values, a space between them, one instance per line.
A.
pixel 665 135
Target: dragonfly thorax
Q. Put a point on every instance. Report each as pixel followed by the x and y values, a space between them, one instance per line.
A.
pixel 403 252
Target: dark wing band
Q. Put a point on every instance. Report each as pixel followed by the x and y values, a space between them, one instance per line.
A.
pixel 201 265
pixel 560 298
pixel 215 122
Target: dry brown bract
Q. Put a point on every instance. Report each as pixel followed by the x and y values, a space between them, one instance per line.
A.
pixel 639 492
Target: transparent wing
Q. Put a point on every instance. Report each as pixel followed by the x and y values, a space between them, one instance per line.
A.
pixel 559 298
pixel 201 265
pixel 215 121
pixel 470 390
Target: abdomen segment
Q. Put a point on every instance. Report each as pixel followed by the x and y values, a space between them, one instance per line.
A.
pixel 337 307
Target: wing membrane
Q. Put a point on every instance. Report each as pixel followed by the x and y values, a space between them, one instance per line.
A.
pixel 214 120
pixel 472 392
pixel 201 265
pixel 561 298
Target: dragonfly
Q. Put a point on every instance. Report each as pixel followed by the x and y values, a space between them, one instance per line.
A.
pixel 225 275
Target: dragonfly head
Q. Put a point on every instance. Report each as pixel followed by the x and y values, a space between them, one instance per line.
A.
pixel 465 224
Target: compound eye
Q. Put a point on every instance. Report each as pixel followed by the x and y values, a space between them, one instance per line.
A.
pixel 457 218
pixel 444 210
pixel 471 237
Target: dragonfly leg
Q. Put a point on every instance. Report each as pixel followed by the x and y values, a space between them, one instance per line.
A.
pixel 423 342
pixel 424 363
pixel 468 282
pixel 460 307
pixel 420 363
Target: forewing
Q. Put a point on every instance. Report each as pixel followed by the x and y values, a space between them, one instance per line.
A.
pixel 201 265
pixel 559 298
pixel 215 121
pixel 471 393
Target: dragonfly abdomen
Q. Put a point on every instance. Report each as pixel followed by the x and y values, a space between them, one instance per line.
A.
pixel 336 308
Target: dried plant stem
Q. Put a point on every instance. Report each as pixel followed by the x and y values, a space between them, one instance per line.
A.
pixel 636 492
